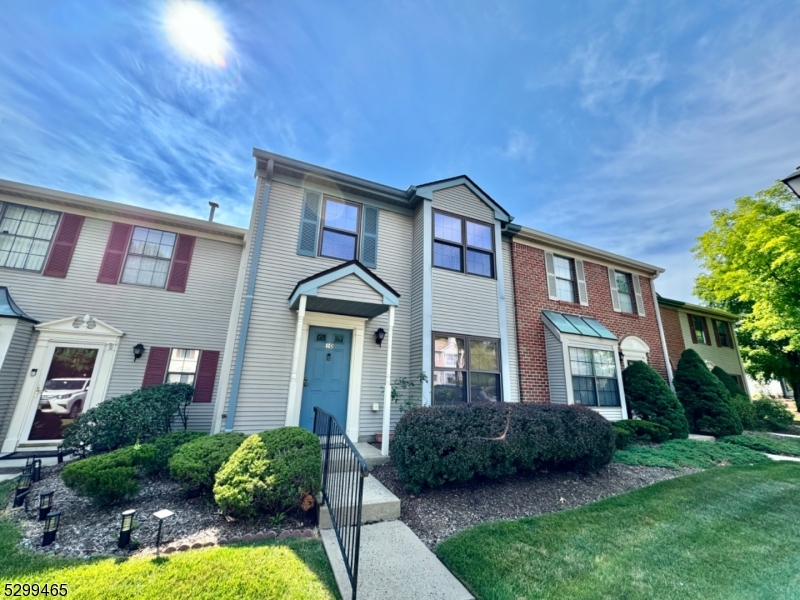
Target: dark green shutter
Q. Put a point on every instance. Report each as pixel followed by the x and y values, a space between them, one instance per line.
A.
pixel 369 238
pixel 307 242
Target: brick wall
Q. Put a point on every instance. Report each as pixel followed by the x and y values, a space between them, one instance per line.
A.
pixel 530 298
pixel 673 334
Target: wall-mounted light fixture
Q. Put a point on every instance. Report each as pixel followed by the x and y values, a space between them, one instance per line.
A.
pixel 379 335
pixel 138 351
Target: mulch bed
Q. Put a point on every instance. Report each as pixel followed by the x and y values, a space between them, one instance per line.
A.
pixel 87 531
pixel 438 513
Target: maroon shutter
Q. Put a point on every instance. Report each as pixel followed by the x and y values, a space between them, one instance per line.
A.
pixel 63 246
pixel 180 263
pixel 206 374
pixel 117 246
pixel 691 327
pixel 156 369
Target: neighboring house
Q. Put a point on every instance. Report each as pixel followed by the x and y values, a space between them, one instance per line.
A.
pixel 582 315
pixel 340 263
pixel 85 281
pixel 708 331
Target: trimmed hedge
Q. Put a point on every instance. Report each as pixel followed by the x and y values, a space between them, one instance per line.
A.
pixel 644 431
pixel 109 478
pixel 705 400
pixel 166 445
pixel 271 472
pixel 622 437
pixel 648 397
pixel 437 445
pixel 739 399
pixel 195 464
pixel 126 420
pixel 772 415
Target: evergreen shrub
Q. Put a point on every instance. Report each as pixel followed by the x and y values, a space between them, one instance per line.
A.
pixel 649 397
pixel 196 463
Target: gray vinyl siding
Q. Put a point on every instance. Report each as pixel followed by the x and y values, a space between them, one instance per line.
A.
pixel 461 201
pixel 465 304
pixel 196 319
pixel 11 372
pixel 556 369
pixel 417 300
pixel 611 413
pixel 511 324
pixel 264 383
pixel 350 288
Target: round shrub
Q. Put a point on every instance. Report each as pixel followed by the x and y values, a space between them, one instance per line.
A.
pixel 437 445
pixel 648 397
pixel 241 481
pixel 705 400
pixel 644 431
pixel 195 464
pixel 166 445
pixel 622 437
pixel 772 415
pixel 126 420
pixel 109 478
pixel 739 399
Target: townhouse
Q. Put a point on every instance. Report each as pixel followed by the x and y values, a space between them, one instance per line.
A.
pixel 98 299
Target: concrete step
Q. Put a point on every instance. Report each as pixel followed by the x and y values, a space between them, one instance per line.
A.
pixel 371 454
pixel 786 458
pixel 379 505
pixel 393 565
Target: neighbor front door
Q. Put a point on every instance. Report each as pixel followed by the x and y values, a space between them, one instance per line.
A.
pixel 327 374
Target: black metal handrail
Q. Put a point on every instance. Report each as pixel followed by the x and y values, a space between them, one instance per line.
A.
pixel 343 474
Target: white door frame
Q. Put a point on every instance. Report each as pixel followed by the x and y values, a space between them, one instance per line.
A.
pixel 355 324
pixel 73 332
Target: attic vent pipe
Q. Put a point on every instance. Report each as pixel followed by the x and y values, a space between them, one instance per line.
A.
pixel 214 206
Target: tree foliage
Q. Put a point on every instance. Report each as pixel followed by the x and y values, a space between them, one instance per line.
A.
pixel 751 262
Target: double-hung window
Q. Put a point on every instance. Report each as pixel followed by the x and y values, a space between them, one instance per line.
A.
pixel 25 235
pixel 594 377
pixel 565 280
pixel 700 329
pixel 340 226
pixel 463 245
pixel 182 366
pixel 465 369
pixel 723 334
pixel 626 299
pixel 149 257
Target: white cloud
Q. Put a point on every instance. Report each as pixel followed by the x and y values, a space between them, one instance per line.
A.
pixel 519 146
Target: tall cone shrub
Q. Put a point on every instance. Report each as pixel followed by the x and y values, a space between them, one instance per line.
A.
pixel 741 403
pixel 649 398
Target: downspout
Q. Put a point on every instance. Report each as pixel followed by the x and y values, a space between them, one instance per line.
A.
pixel 661 331
pixel 248 296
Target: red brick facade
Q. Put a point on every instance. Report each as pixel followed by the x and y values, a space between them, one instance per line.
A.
pixel 530 298
pixel 673 334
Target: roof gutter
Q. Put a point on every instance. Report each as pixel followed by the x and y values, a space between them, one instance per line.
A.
pixel 696 308
pixel 559 243
pixel 248 297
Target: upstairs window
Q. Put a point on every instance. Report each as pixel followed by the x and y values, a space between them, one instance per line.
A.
pixel 340 225
pixel 594 377
pixel 699 330
pixel 463 245
pixel 149 257
pixel 723 331
pixel 565 281
pixel 25 235
pixel 182 366
pixel 465 370
pixel 626 302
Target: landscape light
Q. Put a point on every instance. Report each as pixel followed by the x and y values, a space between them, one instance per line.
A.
pixel 45 504
pixel 126 528
pixel 51 527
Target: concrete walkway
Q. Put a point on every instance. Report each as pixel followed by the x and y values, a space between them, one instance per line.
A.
pixel 786 458
pixel 394 564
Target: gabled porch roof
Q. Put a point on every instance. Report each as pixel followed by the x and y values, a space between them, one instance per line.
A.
pixel 9 308
pixel 310 287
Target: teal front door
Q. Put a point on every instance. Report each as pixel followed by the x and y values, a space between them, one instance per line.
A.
pixel 327 374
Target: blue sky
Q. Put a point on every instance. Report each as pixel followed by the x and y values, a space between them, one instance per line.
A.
pixel 616 124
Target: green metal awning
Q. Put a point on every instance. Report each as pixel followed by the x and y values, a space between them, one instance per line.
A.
pixel 576 325
pixel 9 308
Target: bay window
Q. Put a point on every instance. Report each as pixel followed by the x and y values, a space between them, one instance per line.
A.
pixel 594 377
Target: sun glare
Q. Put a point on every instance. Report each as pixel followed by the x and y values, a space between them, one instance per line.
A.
pixel 196 32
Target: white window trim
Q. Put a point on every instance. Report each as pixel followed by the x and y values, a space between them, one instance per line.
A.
pixel 61 333
pixel 7 328
pixel 355 324
pixel 633 354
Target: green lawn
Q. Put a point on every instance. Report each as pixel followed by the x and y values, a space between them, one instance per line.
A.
pixel 675 454
pixel 723 533
pixel 292 570
pixel 764 443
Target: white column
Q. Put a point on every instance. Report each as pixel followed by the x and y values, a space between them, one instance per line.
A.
pixel 387 392
pixel 292 411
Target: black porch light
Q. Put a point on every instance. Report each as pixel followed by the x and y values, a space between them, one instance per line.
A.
pixel 51 527
pixel 793 181
pixel 138 351
pixel 45 504
pixel 126 528
pixel 23 487
pixel 379 335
